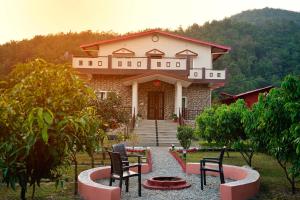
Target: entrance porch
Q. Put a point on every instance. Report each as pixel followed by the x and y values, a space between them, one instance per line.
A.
pixel 156 96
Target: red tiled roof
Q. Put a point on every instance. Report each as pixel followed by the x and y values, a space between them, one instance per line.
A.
pixel 176 36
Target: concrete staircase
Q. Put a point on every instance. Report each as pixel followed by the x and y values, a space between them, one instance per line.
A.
pixel 146 131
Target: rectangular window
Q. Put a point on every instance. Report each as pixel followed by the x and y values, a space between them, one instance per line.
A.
pixel 184 102
pixel 177 64
pixel 128 63
pixel 158 64
pixel 90 63
pixel 102 94
pixel 99 63
pixel 119 63
pixel 218 75
pixel 139 64
pixel 168 64
pixel 211 74
pixel 80 63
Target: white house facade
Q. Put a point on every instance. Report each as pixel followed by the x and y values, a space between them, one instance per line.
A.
pixel 156 73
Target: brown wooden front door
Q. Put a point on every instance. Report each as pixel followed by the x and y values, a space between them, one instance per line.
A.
pixel 156 105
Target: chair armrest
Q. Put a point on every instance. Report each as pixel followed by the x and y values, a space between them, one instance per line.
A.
pixel 134 155
pixel 210 161
pixel 131 166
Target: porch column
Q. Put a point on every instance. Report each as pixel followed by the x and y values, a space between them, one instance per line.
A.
pixel 134 105
pixel 178 97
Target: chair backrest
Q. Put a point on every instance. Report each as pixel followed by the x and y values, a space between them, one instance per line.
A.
pixel 120 148
pixel 116 163
pixel 222 155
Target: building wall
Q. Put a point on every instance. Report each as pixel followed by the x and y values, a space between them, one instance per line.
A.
pixel 170 46
pixel 198 95
pixel 112 83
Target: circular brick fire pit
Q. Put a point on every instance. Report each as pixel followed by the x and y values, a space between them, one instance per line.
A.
pixel 165 183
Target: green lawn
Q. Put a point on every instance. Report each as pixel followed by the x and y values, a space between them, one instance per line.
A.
pixel 274 184
pixel 47 191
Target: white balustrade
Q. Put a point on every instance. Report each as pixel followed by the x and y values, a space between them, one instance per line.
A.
pixel 129 63
pixel 90 63
pixel 215 74
pixel 168 64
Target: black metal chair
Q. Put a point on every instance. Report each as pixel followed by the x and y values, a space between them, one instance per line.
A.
pixel 219 169
pixel 121 172
pixel 120 148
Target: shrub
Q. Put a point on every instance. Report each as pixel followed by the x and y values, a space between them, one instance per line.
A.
pixel 185 135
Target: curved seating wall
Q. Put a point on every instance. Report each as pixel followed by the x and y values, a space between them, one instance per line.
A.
pixel 90 190
pixel 245 186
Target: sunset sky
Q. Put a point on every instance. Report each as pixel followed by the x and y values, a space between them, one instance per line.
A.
pixel 21 19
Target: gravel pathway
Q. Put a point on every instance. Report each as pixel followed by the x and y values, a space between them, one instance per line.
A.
pixel 165 165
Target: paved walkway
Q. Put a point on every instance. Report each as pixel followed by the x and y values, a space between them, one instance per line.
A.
pixel 165 165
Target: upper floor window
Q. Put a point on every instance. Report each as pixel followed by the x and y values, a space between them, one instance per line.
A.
pixel 80 63
pixel 211 74
pixel 177 64
pixel 90 63
pixel 102 95
pixel 168 64
pixel 158 64
pixel 218 75
pixel 139 64
pixel 128 63
pixel 100 63
pixel 119 63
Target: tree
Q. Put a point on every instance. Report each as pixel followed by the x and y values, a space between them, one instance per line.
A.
pixel 185 135
pixel 274 124
pixel 223 124
pixel 45 116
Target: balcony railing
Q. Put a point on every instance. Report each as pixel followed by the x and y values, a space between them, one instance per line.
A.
pixel 144 63
pixel 208 74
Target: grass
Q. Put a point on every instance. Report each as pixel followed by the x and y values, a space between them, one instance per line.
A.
pixel 274 184
pixel 48 191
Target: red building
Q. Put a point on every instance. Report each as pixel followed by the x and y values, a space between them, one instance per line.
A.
pixel 250 97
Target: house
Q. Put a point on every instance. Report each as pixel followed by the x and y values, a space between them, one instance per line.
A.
pixel 250 97
pixel 157 73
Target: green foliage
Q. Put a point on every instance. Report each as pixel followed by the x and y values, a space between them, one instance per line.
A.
pixel 224 126
pixel 45 116
pixel 274 125
pixel 185 136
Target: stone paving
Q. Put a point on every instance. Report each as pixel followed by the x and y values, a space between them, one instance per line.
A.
pixel 165 165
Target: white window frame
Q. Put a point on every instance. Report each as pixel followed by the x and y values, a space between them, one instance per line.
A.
pixel 99 96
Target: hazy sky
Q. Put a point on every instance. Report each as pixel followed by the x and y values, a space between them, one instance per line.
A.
pixel 25 18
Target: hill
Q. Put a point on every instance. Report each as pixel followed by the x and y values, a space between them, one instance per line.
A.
pixel 267 15
pixel 265 47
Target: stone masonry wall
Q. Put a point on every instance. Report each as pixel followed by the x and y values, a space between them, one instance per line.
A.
pixel 198 96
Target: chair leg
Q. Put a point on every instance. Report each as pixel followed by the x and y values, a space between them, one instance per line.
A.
pixel 201 175
pixel 127 184
pixel 140 184
pixel 110 181
pixel 204 177
pixel 120 184
pixel 222 177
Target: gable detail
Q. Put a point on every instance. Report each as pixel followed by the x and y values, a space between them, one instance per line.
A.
pixel 186 52
pixel 123 52
pixel 154 52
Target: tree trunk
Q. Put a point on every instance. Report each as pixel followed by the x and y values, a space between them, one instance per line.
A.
pixel 92 160
pixel 23 193
pixel 75 176
pixel 33 191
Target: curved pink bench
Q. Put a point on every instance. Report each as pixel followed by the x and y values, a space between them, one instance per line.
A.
pixel 245 186
pixel 90 190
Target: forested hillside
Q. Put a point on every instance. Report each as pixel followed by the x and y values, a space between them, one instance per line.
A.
pixel 265 47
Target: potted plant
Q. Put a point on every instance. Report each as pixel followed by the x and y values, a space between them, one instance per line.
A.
pixel 174 117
